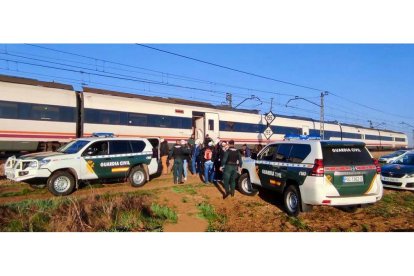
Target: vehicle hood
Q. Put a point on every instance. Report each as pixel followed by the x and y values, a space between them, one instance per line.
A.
pixel 41 155
pixel 398 168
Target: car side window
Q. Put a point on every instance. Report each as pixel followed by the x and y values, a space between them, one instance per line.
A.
pixel 97 148
pixel 119 147
pixel 137 146
pixel 283 152
pixel 268 152
pixel 299 152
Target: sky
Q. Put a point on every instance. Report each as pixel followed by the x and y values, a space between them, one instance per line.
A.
pixel 364 81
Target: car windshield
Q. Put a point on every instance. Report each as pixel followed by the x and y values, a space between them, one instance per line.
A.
pixel 73 147
pixel 407 159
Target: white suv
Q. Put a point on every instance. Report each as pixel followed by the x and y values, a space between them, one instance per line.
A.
pixel 313 172
pixel 87 159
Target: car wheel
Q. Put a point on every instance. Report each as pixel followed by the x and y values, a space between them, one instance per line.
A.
pixel 291 200
pixel 61 183
pixel 245 186
pixel 137 177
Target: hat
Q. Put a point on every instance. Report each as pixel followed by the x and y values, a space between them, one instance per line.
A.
pixel 210 144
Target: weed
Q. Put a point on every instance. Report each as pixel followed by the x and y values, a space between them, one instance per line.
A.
pixel 185 189
pixel 163 212
pixel 365 228
pixel 23 192
pixel 299 223
pixel 216 221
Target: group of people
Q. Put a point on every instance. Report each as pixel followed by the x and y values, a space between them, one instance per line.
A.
pixel 215 161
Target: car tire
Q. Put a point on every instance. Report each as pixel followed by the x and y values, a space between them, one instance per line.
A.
pixel 137 177
pixel 292 200
pixel 244 186
pixel 350 209
pixel 61 183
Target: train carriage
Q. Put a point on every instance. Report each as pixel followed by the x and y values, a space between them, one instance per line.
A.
pixel 36 115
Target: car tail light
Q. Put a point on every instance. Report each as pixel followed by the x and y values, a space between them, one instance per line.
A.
pixel 318 169
pixel 326 201
pixel 376 163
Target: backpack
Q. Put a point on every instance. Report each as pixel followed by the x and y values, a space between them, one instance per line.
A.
pixel 208 154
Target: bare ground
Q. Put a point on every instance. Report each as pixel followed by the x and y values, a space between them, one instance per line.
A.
pixel 262 213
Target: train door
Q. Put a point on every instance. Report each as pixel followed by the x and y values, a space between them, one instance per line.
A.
pixel 212 125
pixel 198 125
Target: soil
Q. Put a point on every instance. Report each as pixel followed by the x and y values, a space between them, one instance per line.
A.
pixel 261 213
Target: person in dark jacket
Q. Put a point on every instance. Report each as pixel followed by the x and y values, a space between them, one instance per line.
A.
pixel 195 160
pixel 208 155
pixel 232 160
pixel 246 151
pixel 217 162
pixel 178 152
pixel 164 150
pixel 207 140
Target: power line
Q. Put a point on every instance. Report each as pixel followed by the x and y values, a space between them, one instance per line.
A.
pixel 232 69
pixel 162 73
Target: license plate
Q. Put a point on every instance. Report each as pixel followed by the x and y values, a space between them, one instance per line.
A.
pixel 353 179
pixel 390 179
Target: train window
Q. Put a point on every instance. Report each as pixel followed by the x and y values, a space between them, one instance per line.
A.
pixel 286 130
pixel 398 139
pixel 210 124
pixel 386 138
pixel 8 110
pixel 165 121
pixel 299 153
pixel 137 146
pixel 119 147
pixel 110 117
pixel 349 135
pixel 44 112
pixel 92 116
pixel 186 123
pixel 372 137
pixel 283 152
pixel 137 119
pixel 67 114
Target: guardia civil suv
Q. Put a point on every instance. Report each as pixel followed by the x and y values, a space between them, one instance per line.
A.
pixel 314 172
pixel 87 159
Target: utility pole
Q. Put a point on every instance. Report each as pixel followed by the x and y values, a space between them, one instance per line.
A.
pixel 322 107
pixel 322 130
pixel 404 123
pixel 229 99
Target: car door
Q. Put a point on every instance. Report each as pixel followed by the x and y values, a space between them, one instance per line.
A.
pixel 155 165
pixel 121 158
pixel 264 164
pixel 280 167
pixel 95 161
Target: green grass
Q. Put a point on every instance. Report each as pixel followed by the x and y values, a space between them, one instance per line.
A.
pixel 23 192
pixel 185 189
pixel 215 221
pixel 299 223
pixel 39 204
pixel 163 212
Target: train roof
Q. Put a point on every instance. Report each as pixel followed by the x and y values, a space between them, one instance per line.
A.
pixel 27 81
pixel 165 100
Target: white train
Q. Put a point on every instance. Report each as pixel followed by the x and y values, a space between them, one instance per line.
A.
pixel 37 115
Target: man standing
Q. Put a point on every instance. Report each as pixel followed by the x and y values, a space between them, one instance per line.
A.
pixel 195 161
pixel 232 160
pixel 208 156
pixel 177 152
pixel 164 150
pixel 246 151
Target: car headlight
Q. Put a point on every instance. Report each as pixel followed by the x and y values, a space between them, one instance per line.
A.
pixel 44 162
pixel 32 165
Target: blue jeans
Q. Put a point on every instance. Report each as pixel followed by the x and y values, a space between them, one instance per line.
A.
pixel 193 165
pixel 208 171
pixel 185 168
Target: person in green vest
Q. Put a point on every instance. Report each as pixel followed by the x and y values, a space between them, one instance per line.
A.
pixel 232 160
pixel 178 153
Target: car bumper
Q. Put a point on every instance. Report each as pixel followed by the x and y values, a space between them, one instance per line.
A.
pixel 403 183
pixel 317 191
pixel 22 175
